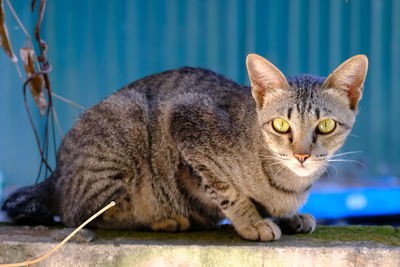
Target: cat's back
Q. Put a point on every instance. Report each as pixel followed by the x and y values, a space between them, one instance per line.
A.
pixel 176 83
pixel 134 112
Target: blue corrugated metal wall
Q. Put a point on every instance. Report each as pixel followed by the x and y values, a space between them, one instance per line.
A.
pixel 98 46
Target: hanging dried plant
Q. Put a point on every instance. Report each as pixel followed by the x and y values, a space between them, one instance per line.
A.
pixel 37 68
pixel 4 40
pixel 36 81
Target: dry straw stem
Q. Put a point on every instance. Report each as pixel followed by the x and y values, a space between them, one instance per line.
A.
pixel 67 101
pixel 29 262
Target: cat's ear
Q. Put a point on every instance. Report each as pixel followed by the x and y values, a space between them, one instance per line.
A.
pixel 350 77
pixel 264 77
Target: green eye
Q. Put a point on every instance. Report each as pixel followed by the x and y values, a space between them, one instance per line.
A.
pixel 326 126
pixel 280 125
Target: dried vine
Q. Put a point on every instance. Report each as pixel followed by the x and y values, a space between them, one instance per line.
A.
pixel 37 69
pixel 45 68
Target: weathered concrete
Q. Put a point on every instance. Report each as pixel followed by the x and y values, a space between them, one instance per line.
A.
pixel 329 246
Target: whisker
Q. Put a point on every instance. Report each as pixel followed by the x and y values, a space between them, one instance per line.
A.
pixel 278 163
pixel 267 148
pixel 280 170
pixel 274 153
pixel 345 153
pixel 327 172
pixel 334 167
pixel 353 135
pixel 347 160
pixel 275 163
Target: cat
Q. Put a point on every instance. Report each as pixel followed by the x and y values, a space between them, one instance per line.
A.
pixel 185 148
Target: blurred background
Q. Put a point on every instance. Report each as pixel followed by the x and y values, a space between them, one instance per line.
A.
pixel 98 46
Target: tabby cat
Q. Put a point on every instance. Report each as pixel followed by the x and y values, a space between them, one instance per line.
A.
pixel 186 148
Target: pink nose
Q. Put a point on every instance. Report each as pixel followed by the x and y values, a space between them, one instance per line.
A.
pixel 301 157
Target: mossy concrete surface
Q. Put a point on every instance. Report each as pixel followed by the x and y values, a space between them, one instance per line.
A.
pixel 328 246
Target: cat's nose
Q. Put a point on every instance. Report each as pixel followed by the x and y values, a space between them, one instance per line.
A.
pixel 301 157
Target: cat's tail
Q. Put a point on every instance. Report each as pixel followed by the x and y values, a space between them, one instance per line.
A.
pixel 31 204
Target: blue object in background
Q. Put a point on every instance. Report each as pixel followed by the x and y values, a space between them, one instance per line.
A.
pixel 353 202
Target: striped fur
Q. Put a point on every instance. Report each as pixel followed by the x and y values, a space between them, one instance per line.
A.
pixel 185 148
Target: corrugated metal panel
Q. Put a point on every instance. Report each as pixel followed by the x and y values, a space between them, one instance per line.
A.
pixel 98 46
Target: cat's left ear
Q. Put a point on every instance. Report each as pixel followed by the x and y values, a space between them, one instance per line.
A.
pixel 350 77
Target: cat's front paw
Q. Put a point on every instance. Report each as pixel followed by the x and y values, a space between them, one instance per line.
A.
pixel 262 230
pixel 299 223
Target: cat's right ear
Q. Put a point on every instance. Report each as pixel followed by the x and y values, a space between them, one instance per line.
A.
pixel 264 78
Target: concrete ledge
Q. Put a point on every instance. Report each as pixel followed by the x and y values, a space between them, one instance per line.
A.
pixel 328 246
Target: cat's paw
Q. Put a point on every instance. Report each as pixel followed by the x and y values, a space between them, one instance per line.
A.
pixel 299 223
pixel 177 224
pixel 262 230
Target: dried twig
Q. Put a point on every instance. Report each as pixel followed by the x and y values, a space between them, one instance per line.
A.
pixel 4 40
pixel 21 26
pixel 67 101
pixel 42 58
pixel 57 121
pixel 43 158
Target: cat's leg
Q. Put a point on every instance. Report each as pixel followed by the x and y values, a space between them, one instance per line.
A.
pixel 235 206
pixel 298 223
pixel 240 211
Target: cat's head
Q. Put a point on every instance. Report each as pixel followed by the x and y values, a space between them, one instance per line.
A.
pixel 305 119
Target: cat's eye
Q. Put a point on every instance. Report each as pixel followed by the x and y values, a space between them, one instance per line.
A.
pixel 326 126
pixel 280 125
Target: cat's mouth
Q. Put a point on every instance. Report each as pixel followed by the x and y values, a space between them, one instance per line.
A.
pixel 303 169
